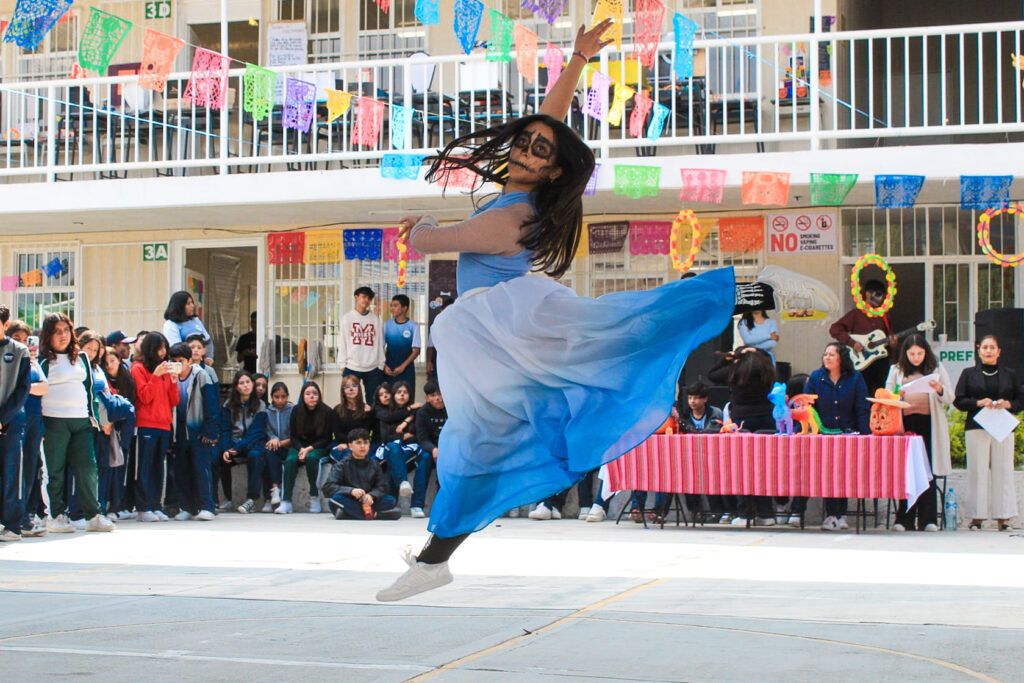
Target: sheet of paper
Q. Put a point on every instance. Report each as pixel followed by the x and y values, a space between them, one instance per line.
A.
pixel 998 422
pixel 920 385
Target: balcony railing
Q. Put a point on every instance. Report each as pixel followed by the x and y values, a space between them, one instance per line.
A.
pixel 811 91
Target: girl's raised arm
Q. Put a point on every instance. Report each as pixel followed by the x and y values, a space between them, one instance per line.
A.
pixel 588 44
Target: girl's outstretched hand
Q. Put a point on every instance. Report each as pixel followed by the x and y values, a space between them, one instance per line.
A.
pixel 589 42
pixel 406 225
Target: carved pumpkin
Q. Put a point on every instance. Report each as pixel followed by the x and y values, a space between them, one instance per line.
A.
pixel 886 413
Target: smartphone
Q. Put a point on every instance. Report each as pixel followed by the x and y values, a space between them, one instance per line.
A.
pixel 32 342
pixel 174 366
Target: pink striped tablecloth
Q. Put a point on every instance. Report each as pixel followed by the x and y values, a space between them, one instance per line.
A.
pixel 848 466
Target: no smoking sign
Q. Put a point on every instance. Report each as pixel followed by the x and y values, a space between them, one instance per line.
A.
pixel 802 233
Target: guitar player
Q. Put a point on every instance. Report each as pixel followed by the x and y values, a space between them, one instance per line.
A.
pixel 858 322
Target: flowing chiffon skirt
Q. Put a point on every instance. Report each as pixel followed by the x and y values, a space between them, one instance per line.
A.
pixel 542 385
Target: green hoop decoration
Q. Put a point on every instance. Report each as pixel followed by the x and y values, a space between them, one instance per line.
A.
pixel 984 242
pixel 890 279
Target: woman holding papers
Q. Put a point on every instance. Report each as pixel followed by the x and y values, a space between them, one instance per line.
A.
pixel 924 384
pixel 985 392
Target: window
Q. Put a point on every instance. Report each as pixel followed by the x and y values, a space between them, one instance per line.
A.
pixel 396 33
pixel 54 56
pixel 323 26
pixel 56 293
pixel 561 32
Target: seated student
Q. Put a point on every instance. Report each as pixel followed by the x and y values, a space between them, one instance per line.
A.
pixel 351 413
pixel 356 487
pixel 279 417
pixel 196 431
pixel 398 436
pixel 311 430
pixel 430 420
pixel 695 416
pixel 243 436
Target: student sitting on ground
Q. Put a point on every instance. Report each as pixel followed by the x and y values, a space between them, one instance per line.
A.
pixel 357 486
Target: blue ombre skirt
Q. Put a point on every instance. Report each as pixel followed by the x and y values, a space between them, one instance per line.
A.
pixel 542 385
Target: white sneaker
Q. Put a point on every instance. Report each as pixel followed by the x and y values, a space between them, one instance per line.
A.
pixel 147 516
pixel 556 513
pixel 126 514
pixel 738 521
pixel 275 495
pixel 898 527
pixel 161 516
pixel 35 529
pixel 314 505
pixel 596 514
pixel 225 506
pixel 843 524
pixel 417 579
pixel 8 536
pixel 79 523
pixel 248 506
pixel 830 524
pixel 541 512
pixel 404 490
pixel 794 521
pixel 417 513
pixel 931 527
pixel 183 516
pixel 100 523
pixel 285 508
pixel 513 513
pixel 795 291
pixel 764 521
pixel 583 513
pixel 60 525
pixel 267 507
pixel 205 516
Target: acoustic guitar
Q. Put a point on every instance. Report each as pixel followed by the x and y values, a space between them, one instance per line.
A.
pixel 875 344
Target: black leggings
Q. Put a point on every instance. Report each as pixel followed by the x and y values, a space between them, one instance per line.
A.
pixel 438 550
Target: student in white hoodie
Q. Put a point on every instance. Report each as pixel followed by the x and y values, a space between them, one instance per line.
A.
pixel 362 343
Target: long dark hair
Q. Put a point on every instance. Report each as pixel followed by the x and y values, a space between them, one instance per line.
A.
pixel 553 234
pixel 845 361
pixel 234 403
pixel 311 424
pixel 752 368
pixel 748 318
pixel 46 337
pixel 928 365
pixel 401 384
pixel 90 336
pixel 151 345
pixel 176 307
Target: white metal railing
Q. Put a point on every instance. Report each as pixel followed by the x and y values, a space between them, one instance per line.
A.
pixel 940 83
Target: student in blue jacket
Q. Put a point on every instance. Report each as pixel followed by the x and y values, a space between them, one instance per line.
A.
pixel 196 432
pixel 243 437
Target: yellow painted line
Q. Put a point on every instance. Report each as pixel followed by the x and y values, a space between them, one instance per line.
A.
pixel 871 648
pixel 512 642
pixel 57 577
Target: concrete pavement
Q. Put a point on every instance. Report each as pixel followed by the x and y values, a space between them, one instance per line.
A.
pixel 266 597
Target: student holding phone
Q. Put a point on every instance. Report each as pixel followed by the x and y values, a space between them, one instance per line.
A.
pixel 156 398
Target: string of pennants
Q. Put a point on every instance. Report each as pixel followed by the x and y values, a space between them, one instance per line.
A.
pixel 34 277
pixel 330 246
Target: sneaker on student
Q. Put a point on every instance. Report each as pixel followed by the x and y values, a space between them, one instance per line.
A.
pixel 843 524
pixel 393 513
pixel 314 505
pixel 225 506
pixel 417 513
pixel 404 490
pixel 8 536
pixel 183 516
pixel 147 516
pixel 596 514
pixel 830 523
pixel 161 516
pixel 248 506
pixel 285 508
pixel 267 507
pixel 795 291
pixel 275 495
pixel 542 511
pixel 59 525
pixel 79 523
pixel 205 516
pixel 556 513
pixel 126 514
pixel 898 527
pixel 35 528
pixel 513 513
pixel 100 523
pixel 420 577
pixel 583 513
pixel 794 521
pixel 726 518
pixel 764 521
pixel 931 527
pixel 738 521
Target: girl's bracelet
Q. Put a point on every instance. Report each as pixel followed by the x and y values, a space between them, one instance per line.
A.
pixel 580 54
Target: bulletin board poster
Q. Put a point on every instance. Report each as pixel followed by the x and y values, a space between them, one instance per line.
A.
pixel 195 284
pixel 805 232
pixel 286 46
pixel 440 286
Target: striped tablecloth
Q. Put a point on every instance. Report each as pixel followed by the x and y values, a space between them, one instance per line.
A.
pixel 848 466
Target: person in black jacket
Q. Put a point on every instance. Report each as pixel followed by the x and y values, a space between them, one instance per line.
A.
pixel 311 428
pixel 750 374
pixel 357 486
pixel 397 414
pixel 351 413
pixel 989 463
pixel 429 420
